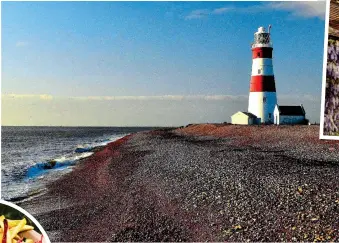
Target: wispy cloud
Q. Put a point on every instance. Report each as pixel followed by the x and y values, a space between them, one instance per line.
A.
pixel 165 97
pixel 301 9
pixel 201 13
pixel 25 96
pixel 21 43
pixel 222 10
pixel 139 98
pixel 198 14
pixel 314 9
pixel 282 97
pixel 162 110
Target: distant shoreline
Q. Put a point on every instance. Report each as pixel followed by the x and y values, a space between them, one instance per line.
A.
pixel 156 127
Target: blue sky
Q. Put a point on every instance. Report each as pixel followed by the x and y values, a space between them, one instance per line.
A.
pixel 138 50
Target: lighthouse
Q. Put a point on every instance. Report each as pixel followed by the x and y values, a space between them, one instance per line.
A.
pixel 262 98
pixel 262 101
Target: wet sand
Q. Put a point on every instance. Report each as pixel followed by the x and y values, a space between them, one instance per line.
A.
pixel 200 183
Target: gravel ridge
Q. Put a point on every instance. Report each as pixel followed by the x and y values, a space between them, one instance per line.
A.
pixel 200 183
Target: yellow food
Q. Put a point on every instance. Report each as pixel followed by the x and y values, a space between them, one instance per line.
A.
pixel 10 230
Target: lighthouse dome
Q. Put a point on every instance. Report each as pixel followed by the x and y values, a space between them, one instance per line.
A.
pixel 261 30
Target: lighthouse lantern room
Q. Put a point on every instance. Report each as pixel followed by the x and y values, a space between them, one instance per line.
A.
pixel 262 98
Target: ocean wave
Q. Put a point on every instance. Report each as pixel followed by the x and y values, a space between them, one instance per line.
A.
pixel 72 157
pixel 59 163
pixel 84 148
pixel 65 161
pixel 43 167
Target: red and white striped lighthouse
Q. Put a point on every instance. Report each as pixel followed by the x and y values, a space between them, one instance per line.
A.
pixel 262 98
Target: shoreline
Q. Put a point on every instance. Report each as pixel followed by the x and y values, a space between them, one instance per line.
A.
pixel 46 172
pixel 198 183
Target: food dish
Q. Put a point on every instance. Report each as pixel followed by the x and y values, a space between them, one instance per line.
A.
pixel 18 231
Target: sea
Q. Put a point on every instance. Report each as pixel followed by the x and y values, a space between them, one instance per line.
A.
pixel 32 157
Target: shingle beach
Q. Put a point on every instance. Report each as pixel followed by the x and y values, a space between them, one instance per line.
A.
pixel 200 183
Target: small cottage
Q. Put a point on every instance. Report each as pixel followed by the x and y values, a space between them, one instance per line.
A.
pixel 289 114
pixel 244 118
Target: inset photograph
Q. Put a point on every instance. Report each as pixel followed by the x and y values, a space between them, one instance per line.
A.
pixel 167 121
pixel 18 226
pixel 330 97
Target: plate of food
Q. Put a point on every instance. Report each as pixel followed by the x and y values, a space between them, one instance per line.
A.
pixel 17 226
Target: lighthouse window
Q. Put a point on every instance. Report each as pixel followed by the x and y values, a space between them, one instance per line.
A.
pixel 259 71
pixel 258 54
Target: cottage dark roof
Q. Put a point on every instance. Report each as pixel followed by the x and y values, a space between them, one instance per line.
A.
pixel 291 110
pixel 249 114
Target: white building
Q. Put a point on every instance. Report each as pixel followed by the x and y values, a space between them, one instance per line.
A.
pixel 289 114
pixel 244 118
